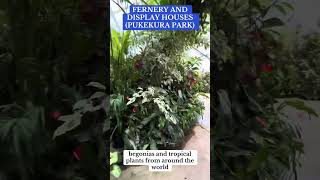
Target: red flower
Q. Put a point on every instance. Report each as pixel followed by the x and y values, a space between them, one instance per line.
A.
pixel 77 153
pixel 55 115
pixel 262 122
pixel 134 109
pixel 266 68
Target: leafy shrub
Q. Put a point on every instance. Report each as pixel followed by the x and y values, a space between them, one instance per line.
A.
pixel 294 73
pixel 47 56
pixel 251 140
pixel 308 66
pixel 203 84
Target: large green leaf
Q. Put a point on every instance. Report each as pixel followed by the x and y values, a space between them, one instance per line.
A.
pixel 116 171
pixel 258 160
pixel 70 123
pixel 300 105
pixel 224 103
pixel 114 157
pixel 79 105
pixel 98 95
pixel 148 119
pixel 119 45
pixel 281 9
pixel 288 5
pixel 97 85
pixel 272 22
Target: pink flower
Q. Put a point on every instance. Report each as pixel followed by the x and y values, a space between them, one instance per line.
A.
pixel 134 109
pixel 77 153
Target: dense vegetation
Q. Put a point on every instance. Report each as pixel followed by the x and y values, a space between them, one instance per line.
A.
pixel 155 88
pixel 49 52
pixel 54 107
pixel 153 100
pixel 55 114
pixel 296 73
pixel 253 67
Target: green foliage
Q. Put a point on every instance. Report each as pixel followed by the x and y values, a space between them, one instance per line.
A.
pixel 203 84
pixel 159 89
pixel 115 169
pixel 300 105
pixel 113 157
pixel 154 101
pixel 160 120
pixel 251 139
pixel 252 142
pixel 21 132
pixel 272 22
pixel 295 69
pixel 94 103
pixel 87 124
pixel 117 110
pixel 47 53
pixel 307 62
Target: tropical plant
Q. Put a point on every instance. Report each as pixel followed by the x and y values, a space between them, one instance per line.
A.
pixel 250 139
pixel 49 51
pixel 86 127
pixel 154 100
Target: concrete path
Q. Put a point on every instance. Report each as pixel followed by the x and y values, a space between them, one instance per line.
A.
pixel 199 140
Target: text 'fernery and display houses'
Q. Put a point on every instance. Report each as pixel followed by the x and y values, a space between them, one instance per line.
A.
pixel 173 17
